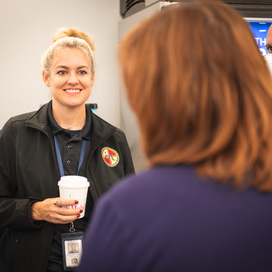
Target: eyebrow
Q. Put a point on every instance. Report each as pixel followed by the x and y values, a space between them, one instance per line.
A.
pixel 78 68
pixel 83 66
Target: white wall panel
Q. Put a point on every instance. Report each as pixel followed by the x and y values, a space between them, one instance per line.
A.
pixel 26 29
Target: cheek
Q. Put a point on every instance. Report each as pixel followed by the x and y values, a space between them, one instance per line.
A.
pixel 57 83
pixel 87 84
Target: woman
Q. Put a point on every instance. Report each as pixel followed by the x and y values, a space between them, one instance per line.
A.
pixel 30 168
pixel 202 95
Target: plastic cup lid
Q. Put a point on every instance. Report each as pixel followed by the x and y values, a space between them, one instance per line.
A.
pixel 73 182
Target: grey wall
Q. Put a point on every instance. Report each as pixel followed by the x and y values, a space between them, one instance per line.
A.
pixel 26 29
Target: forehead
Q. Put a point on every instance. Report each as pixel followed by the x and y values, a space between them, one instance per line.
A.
pixel 269 35
pixel 71 56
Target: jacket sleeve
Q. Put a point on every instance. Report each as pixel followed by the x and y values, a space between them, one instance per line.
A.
pixel 126 155
pixel 14 211
pixel 103 176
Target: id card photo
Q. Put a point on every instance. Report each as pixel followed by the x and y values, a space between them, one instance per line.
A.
pixel 73 252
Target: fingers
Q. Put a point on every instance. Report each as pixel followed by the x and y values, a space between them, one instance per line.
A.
pixel 64 202
pixel 60 219
pixel 64 216
pixel 51 210
pixel 69 212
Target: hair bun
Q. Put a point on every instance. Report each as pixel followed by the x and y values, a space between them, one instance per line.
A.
pixel 73 32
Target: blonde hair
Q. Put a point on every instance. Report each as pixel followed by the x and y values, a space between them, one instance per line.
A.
pixel 201 92
pixel 72 38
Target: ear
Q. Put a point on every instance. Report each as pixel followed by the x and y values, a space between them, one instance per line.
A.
pixel 45 79
pixel 92 80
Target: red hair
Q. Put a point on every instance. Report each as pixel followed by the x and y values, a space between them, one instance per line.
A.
pixel 201 92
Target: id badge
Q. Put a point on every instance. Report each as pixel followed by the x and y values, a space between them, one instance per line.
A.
pixel 72 244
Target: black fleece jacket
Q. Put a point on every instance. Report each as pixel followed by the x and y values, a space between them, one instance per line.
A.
pixel 29 173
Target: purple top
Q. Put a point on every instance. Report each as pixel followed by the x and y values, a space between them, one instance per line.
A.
pixel 168 219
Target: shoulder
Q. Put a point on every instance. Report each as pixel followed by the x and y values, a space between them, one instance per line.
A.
pixel 179 184
pixel 99 125
pixel 21 122
pixel 105 129
pixel 152 185
pixel 21 117
pixel 101 121
pixel 16 121
pixel 161 176
pixel 28 116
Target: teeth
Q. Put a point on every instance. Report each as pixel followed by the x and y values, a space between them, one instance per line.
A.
pixel 72 91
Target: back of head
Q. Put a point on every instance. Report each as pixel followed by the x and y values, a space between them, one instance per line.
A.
pixel 201 92
pixel 69 37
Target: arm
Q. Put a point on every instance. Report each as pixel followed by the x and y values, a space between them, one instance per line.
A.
pixel 16 210
pixel 126 154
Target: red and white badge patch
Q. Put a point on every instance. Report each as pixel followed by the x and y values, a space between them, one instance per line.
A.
pixel 110 156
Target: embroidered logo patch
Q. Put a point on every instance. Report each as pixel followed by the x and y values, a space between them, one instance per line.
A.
pixel 110 156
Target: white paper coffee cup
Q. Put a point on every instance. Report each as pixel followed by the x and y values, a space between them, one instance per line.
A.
pixel 74 187
pixel 268 59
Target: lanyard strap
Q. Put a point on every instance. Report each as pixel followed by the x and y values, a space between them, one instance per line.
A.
pixel 59 156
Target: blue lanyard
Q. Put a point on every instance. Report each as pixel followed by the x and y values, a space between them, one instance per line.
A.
pixel 59 156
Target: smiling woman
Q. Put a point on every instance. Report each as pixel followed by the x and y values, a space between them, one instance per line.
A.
pixel 64 137
pixel 69 70
pixel 71 80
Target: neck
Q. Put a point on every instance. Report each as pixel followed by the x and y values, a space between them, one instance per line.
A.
pixel 69 118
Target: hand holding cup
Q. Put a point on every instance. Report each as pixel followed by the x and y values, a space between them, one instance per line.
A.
pixel 50 211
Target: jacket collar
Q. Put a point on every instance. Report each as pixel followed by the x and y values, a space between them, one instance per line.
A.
pixel 39 119
pixel 101 130
pixel 55 128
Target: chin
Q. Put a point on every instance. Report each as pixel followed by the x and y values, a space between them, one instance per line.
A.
pixel 75 104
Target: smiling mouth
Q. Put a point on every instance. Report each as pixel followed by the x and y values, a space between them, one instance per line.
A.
pixel 72 91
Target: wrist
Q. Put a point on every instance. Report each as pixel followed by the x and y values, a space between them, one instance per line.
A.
pixel 32 212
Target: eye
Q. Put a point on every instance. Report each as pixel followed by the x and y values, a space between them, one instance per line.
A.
pixel 61 72
pixel 82 72
pixel 269 49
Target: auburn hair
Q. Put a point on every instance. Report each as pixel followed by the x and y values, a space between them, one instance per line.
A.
pixel 201 92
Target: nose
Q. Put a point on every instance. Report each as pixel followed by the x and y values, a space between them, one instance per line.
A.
pixel 73 80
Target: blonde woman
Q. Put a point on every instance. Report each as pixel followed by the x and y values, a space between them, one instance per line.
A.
pixel 62 138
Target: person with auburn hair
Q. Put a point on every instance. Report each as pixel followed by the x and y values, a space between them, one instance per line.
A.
pixel 64 137
pixel 202 95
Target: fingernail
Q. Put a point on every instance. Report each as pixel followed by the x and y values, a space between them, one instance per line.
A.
pixel 76 202
pixel 81 211
pixel 78 215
